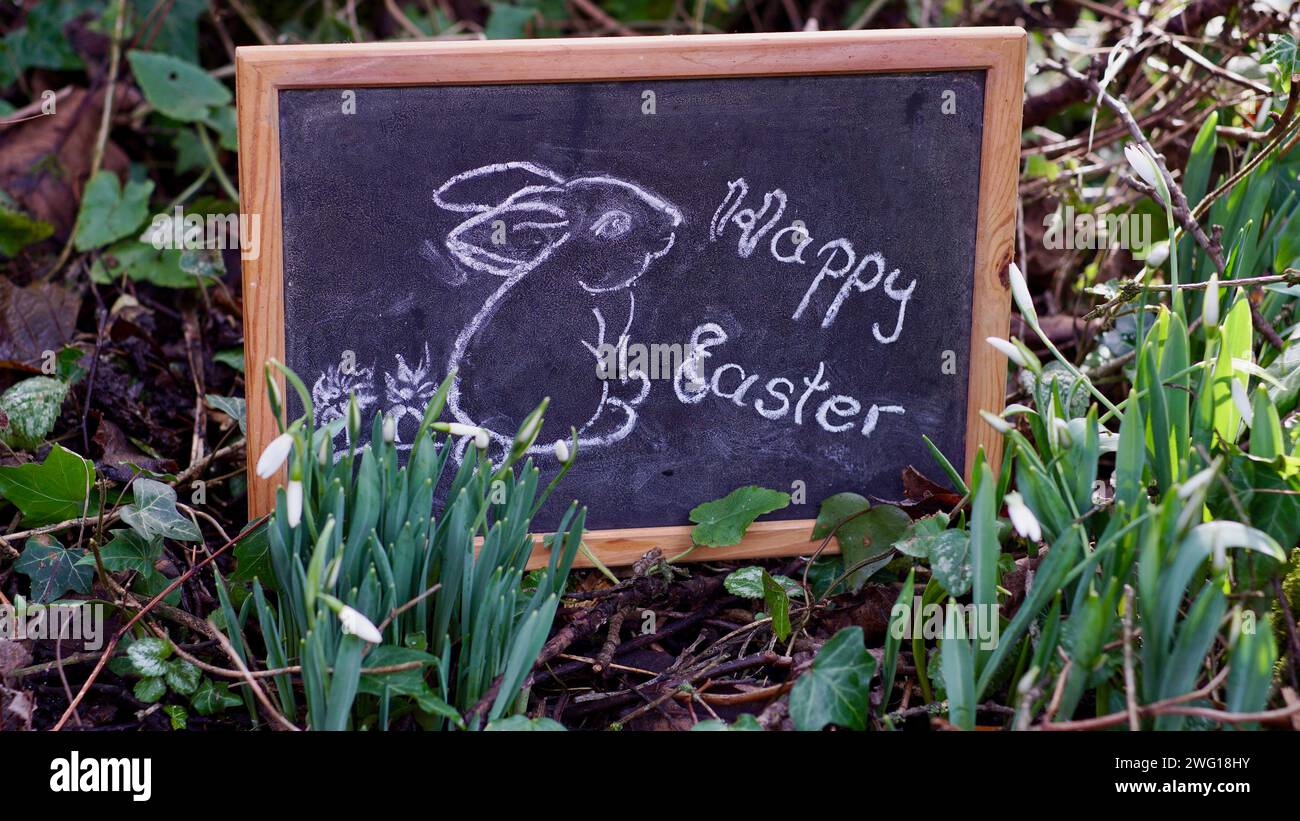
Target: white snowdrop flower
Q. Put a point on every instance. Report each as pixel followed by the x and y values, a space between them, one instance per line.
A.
pixel 389 429
pixel 273 457
pixel 1145 167
pixel 1022 518
pixel 457 429
pixel 1107 442
pixel 293 502
pixel 996 422
pixel 1210 312
pixel 562 452
pixel 1008 350
pixel 1020 292
pixel 1196 483
pixel 1157 254
pixel 481 439
pixel 1242 400
pixel 356 624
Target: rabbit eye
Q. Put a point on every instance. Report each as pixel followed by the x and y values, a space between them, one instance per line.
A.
pixel 612 224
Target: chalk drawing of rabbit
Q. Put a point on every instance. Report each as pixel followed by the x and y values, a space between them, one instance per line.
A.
pixel 555 243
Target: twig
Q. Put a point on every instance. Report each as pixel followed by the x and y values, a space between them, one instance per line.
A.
pixel 275 715
pixel 1130 679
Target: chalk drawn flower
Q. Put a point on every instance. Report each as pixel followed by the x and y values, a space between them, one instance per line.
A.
pixel 408 391
pixel 330 393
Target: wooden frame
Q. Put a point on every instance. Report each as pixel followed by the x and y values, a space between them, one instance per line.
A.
pixel 262 71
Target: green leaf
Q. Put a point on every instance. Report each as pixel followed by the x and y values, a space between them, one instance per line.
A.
pixel 141 262
pixel 525 724
pixel 129 551
pixel 149 656
pixel 32 406
pixel 178 715
pixel 743 723
pixel 17 230
pixel 747 582
pixel 181 90
pixel 950 561
pixel 53 568
pixel 150 689
pixel 901 611
pixel 232 406
pixel 108 212
pixel 407 683
pixel 1284 53
pixel 211 698
pixel 777 600
pixel 153 513
pixel 234 357
pixel 864 536
pixel 506 21
pixel 916 542
pixel 53 491
pixel 723 522
pixel 958 672
pixel 253 558
pixel 182 677
pixel 835 690
pixel 177 31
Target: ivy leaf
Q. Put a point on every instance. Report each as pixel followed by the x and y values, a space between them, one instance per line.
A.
pixel 53 568
pixel 253 558
pixel 232 406
pixel 950 561
pixel 181 90
pixel 212 698
pixel 52 491
pixel 182 676
pixel 1284 53
pixel 176 32
pixel 153 513
pixel 835 689
pixel 507 21
pixel 408 683
pixel 747 582
pixel 149 656
pixel 724 521
pixel 109 212
pixel 150 689
pixel 920 537
pixel 32 406
pixel 129 550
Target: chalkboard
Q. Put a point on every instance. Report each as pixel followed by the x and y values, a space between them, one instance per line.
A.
pixel 717 280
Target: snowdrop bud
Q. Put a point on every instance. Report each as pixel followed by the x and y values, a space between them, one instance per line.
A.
pixel 1008 350
pixel 293 502
pixel 354 417
pixel 1064 434
pixel 1145 167
pixel 562 452
pixel 1026 682
pixel 481 439
pixel 456 428
pixel 1022 518
pixel 390 429
pixel 273 457
pixel 356 624
pixel 1210 312
pixel 1242 401
pixel 273 388
pixel 996 422
pixel 323 451
pixel 1157 254
pixel 1020 292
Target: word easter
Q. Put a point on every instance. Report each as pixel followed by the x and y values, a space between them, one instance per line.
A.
pixel 692 385
pixel 788 245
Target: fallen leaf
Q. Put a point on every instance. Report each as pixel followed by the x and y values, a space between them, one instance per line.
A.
pixel 38 318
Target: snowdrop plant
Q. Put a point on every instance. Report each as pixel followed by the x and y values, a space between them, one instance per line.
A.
pixel 380 595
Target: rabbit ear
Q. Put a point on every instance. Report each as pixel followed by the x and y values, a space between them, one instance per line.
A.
pixel 483 189
pixel 514 237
